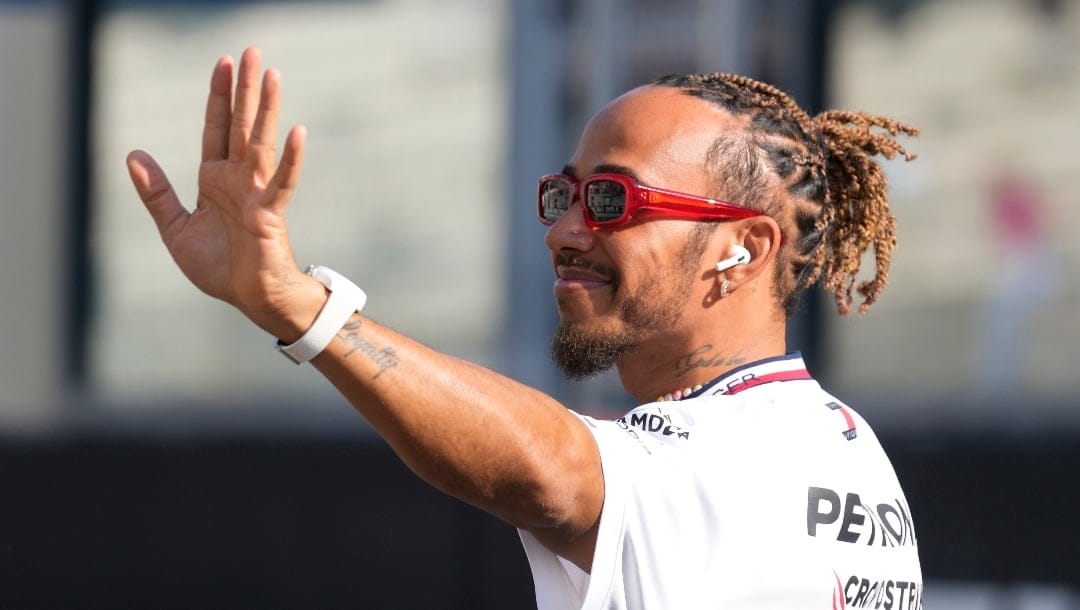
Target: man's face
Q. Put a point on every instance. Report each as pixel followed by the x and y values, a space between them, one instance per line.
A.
pixel 618 288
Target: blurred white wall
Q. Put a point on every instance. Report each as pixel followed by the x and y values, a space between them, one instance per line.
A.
pixel 401 187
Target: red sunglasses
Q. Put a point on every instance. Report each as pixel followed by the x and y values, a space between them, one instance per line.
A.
pixel 611 200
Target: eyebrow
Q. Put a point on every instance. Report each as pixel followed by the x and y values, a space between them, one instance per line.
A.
pixel 605 168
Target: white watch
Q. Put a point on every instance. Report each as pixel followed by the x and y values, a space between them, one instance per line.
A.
pixel 345 299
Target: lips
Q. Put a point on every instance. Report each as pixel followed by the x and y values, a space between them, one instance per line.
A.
pixel 574 272
pixel 578 274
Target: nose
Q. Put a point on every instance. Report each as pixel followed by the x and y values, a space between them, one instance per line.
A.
pixel 570 232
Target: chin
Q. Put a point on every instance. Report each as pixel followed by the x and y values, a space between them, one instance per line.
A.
pixel 576 310
pixel 581 349
pixel 592 324
pixel 577 314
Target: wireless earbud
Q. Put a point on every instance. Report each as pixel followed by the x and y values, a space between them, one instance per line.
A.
pixel 739 256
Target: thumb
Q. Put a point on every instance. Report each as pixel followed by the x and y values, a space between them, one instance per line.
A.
pixel 156 192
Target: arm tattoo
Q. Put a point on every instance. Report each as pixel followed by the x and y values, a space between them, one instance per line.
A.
pixel 386 358
pixel 698 359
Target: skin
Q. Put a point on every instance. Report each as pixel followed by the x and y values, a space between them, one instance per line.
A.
pixel 661 137
pixel 481 437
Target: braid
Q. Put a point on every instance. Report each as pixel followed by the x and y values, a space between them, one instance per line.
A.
pixel 837 204
pixel 855 213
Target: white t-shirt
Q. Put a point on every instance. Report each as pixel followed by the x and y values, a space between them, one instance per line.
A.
pixel 761 491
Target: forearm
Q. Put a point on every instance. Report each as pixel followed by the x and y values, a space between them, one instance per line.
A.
pixel 477 435
pixel 468 431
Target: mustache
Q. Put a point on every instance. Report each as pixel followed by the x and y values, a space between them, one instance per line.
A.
pixel 579 262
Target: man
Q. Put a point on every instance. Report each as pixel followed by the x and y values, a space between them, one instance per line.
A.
pixel 757 489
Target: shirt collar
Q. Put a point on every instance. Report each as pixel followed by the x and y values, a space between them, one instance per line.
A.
pixel 789 367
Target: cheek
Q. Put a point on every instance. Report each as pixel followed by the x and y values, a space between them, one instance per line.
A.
pixel 642 266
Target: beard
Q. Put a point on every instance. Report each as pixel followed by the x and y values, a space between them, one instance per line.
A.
pixel 584 349
pixel 579 353
pixel 580 350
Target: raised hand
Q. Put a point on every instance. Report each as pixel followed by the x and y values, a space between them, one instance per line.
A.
pixel 234 245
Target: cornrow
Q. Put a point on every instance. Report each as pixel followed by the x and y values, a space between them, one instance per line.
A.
pixel 838 193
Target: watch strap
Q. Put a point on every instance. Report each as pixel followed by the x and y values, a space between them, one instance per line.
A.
pixel 345 299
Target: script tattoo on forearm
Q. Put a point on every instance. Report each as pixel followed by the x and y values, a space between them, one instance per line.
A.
pixel 699 359
pixel 386 358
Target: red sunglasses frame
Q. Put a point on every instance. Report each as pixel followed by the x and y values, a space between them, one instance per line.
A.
pixel 646 199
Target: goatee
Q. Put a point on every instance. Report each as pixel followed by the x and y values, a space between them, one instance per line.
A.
pixel 580 354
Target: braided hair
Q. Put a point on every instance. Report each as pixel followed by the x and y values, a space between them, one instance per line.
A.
pixel 837 191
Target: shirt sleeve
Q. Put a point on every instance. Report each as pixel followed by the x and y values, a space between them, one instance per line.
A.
pixel 659 526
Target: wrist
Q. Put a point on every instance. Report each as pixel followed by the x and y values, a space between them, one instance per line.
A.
pixel 294 314
pixel 294 317
pixel 345 299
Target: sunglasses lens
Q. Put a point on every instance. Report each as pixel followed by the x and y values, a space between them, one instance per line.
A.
pixel 556 196
pixel 605 200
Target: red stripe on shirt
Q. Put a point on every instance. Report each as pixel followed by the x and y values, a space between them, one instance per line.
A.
pixel 838 593
pixel 847 417
pixel 753 382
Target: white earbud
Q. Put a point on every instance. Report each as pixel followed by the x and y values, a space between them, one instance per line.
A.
pixel 739 256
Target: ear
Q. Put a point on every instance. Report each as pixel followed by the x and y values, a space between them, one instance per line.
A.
pixel 761 237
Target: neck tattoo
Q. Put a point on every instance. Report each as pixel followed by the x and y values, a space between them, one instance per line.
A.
pixel 679 394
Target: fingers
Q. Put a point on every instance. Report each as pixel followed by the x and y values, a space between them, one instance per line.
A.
pixel 261 148
pixel 215 144
pixel 287 176
pixel 158 195
pixel 246 131
pixel 245 103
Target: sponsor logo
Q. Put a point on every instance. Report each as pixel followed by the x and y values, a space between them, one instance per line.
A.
pixel 621 423
pixel 733 386
pixel 657 424
pixel 883 594
pixel 850 519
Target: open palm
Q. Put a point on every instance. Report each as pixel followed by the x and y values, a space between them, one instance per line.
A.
pixel 234 245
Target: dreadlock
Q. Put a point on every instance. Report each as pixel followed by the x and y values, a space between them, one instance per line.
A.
pixel 826 164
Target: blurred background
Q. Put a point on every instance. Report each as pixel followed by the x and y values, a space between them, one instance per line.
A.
pixel 155 451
